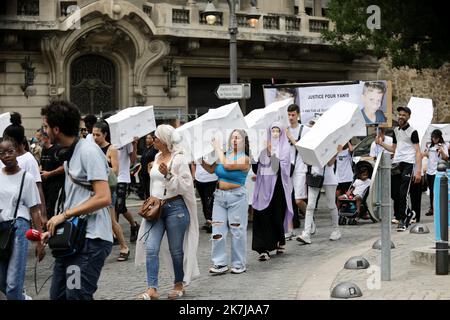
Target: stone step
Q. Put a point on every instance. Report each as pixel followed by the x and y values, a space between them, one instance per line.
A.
pixel 425 256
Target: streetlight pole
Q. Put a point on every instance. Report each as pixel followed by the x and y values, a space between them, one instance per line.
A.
pixel 233 30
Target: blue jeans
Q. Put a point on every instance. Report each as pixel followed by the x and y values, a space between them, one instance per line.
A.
pixel 174 219
pixel 230 214
pixel 75 277
pixel 12 271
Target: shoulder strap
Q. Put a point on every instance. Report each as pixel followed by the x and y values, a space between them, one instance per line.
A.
pixel 299 137
pixel 20 195
pixel 86 185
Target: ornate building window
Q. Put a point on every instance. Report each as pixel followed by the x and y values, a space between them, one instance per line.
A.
pixel 27 7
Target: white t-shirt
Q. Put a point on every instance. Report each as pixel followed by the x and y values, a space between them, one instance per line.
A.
pixel 299 165
pixel 9 192
pixel 28 163
pixel 158 184
pixel 434 158
pixel 201 175
pixel 124 163
pixel 344 169
pixel 330 177
pixel 360 186
pixel 90 138
pixel 376 149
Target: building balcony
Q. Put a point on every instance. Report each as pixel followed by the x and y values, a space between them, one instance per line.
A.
pixel 187 21
pixel 183 21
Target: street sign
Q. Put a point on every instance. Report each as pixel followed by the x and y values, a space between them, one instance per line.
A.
pixel 233 91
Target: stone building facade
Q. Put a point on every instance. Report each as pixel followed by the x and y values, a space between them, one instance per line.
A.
pixel 427 83
pixel 109 54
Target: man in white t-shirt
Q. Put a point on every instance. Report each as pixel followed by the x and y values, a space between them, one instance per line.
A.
pixel 376 149
pixel 127 155
pixel 294 133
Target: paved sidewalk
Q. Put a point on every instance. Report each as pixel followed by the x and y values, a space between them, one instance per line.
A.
pixel 409 281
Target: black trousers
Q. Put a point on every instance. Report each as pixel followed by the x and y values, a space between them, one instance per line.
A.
pixel 399 189
pixel 206 193
pixel 415 194
pixel 430 181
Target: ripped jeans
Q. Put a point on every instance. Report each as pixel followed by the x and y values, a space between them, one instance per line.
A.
pixel 230 214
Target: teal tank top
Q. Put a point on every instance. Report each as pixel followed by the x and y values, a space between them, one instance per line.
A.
pixel 231 176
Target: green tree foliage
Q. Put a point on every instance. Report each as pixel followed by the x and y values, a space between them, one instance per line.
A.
pixel 413 33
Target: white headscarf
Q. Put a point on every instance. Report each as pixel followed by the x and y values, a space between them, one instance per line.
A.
pixel 172 139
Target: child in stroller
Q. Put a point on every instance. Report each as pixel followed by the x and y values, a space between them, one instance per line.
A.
pixel 352 204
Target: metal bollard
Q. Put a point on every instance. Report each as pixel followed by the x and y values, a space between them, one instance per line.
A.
pixel 442 241
pixel 386 213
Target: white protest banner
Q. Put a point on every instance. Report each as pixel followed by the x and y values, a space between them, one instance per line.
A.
pixel 4 122
pixel 129 123
pixel 216 123
pixel 421 116
pixel 374 98
pixel 260 120
pixel 336 126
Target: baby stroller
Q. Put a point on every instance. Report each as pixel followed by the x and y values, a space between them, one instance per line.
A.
pixel 347 207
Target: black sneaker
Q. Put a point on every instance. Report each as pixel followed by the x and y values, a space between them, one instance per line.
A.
pixel 401 227
pixel 134 232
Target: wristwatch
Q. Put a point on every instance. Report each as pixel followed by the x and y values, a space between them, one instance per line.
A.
pixel 168 176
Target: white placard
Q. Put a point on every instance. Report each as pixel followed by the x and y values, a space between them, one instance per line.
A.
pixel 216 123
pixel 129 123
pixel 336 126
pixel 421 116
pixel 5 121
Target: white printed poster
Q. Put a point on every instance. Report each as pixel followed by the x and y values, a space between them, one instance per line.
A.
pixel 374 99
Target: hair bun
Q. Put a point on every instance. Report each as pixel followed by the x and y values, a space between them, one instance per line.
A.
pixel 16 119
pixel 176 137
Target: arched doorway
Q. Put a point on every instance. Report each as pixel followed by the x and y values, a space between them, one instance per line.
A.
pixel 93 84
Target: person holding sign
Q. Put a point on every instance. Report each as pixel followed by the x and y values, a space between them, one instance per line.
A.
pixel 372 99
pixel 272 201
pixel 230 203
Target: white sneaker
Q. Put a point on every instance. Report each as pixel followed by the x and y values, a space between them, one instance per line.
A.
pixel 27 297
pixel 335 235
pixel 288 236
pixel 218 269
pixel 313 228
pixel 304 238
pixel 238 270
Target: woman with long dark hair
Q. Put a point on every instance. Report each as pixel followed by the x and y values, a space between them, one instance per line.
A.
pixel 101 136
pixel 436 151
pixel 230 203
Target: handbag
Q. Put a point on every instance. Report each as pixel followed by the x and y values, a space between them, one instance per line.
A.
pixel 152 208
pixel 314 180
pixel 8 232
pixel 395 169
pixel 70 235
pixel 112 180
